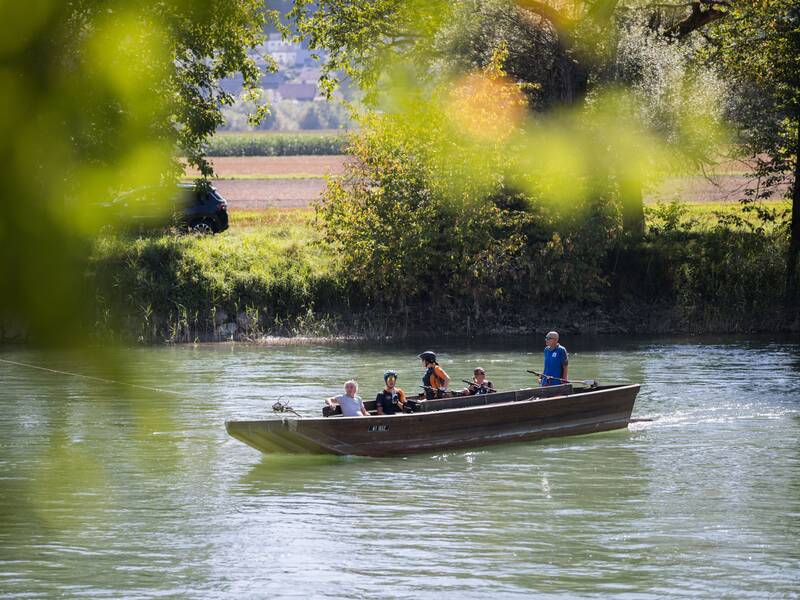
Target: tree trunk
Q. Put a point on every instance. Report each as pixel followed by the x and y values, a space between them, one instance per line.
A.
pixel 630 195
pixel 794 234
pixel 569 79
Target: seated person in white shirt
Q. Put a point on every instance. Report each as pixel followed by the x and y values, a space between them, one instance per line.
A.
pixel 352 405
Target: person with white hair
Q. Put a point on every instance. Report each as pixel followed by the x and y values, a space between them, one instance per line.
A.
pixel 351 405
pixel 556 361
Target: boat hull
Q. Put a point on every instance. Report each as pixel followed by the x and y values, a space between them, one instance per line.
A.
pixel 513 420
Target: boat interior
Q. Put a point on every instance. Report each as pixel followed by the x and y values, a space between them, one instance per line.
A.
pixel 455 400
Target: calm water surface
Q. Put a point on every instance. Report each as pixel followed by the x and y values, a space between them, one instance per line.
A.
pixel 116 491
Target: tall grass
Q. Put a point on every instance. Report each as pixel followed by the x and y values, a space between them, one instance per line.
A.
pixel 277 144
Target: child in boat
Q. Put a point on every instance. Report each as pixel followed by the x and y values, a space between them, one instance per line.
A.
pixel 435 380
pixel 392 399
pixel 479 385
pixel 352 405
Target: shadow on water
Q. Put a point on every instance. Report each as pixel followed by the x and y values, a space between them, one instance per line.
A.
pixel 584 343
pixel 559 505
pixel 288 467
pixel 607 454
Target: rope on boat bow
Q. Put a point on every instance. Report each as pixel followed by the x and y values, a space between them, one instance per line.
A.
pixel 282 405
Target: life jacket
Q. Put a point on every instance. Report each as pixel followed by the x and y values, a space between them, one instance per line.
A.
pixel 391 402
pixel 434 377
pixel 484 388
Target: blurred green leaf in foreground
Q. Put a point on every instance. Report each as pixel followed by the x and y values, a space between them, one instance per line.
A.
pixel 100 97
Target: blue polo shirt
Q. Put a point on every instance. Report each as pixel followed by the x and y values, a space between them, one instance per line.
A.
pixel 554 361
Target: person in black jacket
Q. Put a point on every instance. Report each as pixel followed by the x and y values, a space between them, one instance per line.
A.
pixel 392 399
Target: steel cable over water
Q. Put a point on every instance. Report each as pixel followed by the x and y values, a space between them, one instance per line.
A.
pixel 100 379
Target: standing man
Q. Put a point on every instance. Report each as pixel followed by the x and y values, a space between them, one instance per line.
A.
pixel 556 361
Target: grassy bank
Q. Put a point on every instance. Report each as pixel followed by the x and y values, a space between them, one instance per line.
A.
pixel 266 274
pixel 701 269
pixel 277 144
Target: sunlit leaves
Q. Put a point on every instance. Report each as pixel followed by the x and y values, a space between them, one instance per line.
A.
pixel 364 38
pixel 99 97
pixel 21 22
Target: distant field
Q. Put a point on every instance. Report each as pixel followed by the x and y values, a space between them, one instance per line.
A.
pixel 249 194
pixel 716 188
pixel 258 182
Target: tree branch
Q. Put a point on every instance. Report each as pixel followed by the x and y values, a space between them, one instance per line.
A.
pixel 560 22
pixel 698 18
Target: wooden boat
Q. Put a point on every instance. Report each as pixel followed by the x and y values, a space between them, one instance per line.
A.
pixel 446 423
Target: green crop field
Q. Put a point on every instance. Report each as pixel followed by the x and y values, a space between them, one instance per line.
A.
pixel 277 144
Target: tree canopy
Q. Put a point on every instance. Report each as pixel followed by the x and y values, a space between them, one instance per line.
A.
pixel 757 48
pixel 683 72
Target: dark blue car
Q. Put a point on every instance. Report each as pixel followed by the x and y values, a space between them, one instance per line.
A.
pixel 201 209
pixel 197 208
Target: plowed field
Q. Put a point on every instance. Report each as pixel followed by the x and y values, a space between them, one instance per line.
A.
pixel 256 182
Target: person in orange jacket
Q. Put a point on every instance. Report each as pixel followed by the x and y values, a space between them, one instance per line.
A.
pixel 435 380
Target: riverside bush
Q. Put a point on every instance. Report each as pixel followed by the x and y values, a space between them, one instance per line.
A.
pixel 418 234
pixel 423 220
pixel 717 279
pixel 276 144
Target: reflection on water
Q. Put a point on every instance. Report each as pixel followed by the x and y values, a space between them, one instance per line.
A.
pixel 110 491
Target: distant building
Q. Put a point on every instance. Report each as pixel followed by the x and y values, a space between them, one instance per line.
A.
pixel 308 75
pixel 286 53
pixel 297 91
pixel 272 81
pixel 275 43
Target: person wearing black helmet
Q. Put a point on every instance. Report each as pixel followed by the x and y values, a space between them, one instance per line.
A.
pixel 435 380
pixel 392 399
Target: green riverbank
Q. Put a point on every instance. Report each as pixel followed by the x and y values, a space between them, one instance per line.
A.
pixel 702 271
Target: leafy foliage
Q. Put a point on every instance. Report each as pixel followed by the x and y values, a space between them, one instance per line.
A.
pixel 669 218
pixel 262 275
pixel 265 277
pixel 432 215
pixel 758 49
pixel 363 38
pixel 97 96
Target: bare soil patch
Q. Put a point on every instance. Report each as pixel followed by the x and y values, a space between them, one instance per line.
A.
pixel 717 188
pixel 226 166
pixel 253 194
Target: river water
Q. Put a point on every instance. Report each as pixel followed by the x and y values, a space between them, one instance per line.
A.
pixel 110 491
